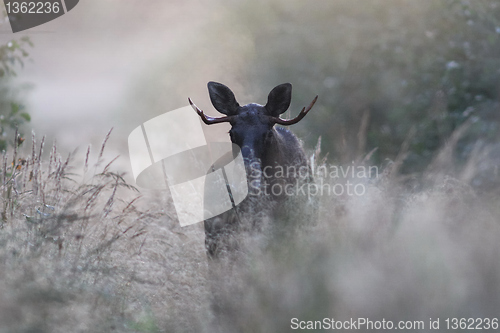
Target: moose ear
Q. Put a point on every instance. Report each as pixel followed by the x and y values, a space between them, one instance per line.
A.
pixel 279 99
pixel 222 98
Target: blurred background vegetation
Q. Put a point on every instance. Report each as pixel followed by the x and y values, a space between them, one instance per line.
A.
pixel 12 115
pixel 428 65
pixel 389 73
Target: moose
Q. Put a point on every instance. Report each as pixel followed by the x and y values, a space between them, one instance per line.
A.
pixel 269 152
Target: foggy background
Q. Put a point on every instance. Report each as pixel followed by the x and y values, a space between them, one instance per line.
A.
pixel 391 67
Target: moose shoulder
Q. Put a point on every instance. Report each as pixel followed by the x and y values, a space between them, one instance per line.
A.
pixel 274 159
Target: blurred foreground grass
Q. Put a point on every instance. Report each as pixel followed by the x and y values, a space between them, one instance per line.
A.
pixel 96 256
pixel 81 255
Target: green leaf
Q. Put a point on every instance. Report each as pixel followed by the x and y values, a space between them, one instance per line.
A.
pixel 14 108
pixel 26 116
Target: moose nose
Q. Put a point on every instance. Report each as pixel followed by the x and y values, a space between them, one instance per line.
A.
pixel 247 152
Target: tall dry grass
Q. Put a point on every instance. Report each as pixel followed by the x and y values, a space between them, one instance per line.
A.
pixel 91 254
pixel 78 254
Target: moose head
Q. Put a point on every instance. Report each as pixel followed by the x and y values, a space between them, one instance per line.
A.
pixel 252 126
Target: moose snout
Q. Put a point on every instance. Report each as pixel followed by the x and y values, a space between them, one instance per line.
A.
pixel 248 153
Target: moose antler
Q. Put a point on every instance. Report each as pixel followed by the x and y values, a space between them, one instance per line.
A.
pixel 302 114
pixel 209 120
